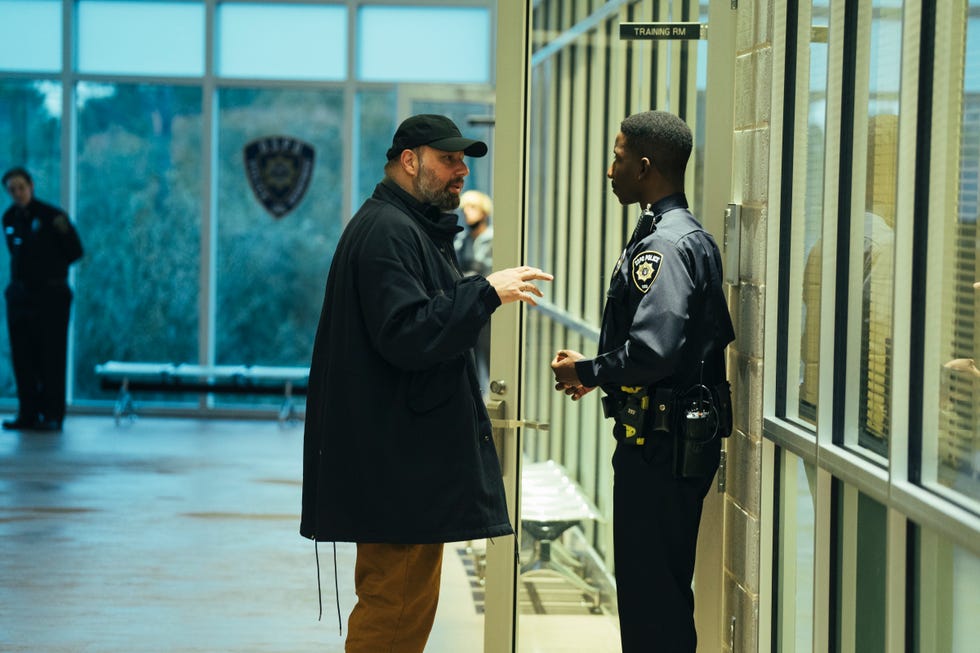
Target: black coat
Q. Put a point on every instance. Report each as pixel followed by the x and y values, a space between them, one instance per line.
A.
pixel 398 445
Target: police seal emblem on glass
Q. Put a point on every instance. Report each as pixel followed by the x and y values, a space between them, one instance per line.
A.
pixel 278 169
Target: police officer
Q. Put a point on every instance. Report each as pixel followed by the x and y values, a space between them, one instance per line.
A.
pixel 42 244
pixel 661 366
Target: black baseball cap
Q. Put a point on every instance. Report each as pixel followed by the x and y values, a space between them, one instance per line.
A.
pixel 435 131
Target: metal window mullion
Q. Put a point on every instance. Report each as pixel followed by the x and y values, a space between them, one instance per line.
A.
pixel 69 158
pixel 907 223
pixel 785 561
pixel 824 557
pixel 833 194
pixel 895 581
pixel 849 530
pixel 905 240
pixel 597 131
pixel 793 197
pixel 854 218
pixel 207 299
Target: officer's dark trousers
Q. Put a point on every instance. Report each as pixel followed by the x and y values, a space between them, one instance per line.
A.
pixel 655 532
pixel 37 322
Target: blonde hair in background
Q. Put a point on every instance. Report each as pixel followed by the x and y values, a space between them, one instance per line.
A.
pixel 478 199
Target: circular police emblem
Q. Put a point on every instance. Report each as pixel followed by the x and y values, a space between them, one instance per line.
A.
pixel 646 267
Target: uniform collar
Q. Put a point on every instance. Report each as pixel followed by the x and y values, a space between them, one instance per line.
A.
pixel 669 203
pixel 650 217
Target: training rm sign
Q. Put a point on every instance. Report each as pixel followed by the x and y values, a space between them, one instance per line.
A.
pixel 661 31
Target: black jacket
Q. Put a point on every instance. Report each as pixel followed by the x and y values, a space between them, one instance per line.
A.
pixel 398 445
pixel 42 244
pixel 665 310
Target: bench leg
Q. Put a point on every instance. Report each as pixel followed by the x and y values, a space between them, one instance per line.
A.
pixel 124 408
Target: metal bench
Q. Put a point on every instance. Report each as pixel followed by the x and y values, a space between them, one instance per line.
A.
pixel 127 378
pixel 551 503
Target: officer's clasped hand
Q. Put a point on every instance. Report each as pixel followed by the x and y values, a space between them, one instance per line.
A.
pixel 514 284
pixel 566 377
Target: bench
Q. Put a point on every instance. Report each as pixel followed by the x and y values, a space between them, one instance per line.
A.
pixel 551 503
pixel 127 378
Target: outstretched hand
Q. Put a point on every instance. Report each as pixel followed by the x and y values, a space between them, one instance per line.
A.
pixel 513 284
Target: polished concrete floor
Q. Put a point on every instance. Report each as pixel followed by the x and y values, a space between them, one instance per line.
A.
pixel 163 535
pixel 180 536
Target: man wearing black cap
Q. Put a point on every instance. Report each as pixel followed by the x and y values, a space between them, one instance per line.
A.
pixel 398 453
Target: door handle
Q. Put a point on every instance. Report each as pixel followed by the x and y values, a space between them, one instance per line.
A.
pixel 497 408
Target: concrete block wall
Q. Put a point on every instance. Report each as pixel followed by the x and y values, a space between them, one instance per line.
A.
pixel 753 87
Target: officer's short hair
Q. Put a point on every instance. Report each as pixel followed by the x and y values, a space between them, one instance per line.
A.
pixel 663 138
pixel 17 172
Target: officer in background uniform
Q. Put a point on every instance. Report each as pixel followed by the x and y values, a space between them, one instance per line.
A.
pixel 42 244
pixel 661 366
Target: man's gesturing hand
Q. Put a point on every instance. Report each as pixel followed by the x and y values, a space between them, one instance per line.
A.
pixel 514 284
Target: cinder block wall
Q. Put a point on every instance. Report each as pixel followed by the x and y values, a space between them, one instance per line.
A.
pixel 753 88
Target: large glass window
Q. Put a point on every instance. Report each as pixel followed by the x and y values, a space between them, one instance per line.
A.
pixel 296 42
pixel 141 38
pixel 145 199
pixel 808 202
pixel 952 431
pixel 447 44
pixel 873 210
pixel 376 123
pixel 30 136
pixel 37 49
pixel 139 217
pixel 271 269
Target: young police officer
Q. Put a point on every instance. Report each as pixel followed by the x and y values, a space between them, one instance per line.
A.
pixel 661 365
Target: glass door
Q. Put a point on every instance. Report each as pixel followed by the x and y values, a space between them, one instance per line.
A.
pixel 565 81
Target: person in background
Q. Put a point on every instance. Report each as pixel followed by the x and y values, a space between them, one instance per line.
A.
pixel 42 243
pixel 474 249
pixel 661 365
pixel 398 451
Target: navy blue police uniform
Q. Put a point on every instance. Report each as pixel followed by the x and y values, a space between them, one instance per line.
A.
pixel 42 244
pixel 664 330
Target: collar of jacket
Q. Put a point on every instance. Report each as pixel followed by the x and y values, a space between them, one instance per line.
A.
pixel 436 224
pixel 669 203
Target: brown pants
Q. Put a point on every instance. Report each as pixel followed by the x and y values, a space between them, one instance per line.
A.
pixel 397 589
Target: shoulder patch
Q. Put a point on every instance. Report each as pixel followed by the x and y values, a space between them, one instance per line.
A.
pixel 61 223
pixel 646 267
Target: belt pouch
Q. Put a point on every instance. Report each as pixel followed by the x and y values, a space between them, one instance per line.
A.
pixel 694 448
pixel 662 410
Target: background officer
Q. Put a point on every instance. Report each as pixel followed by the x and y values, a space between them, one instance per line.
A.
pixel 42 244
pixel 661 364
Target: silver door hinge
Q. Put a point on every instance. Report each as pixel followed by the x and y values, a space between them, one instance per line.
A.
pixel 722 469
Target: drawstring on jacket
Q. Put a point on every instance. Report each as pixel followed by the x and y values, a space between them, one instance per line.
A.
pixel 336 585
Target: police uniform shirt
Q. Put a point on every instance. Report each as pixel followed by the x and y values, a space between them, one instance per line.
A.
pixel 665 309
pixel 42 243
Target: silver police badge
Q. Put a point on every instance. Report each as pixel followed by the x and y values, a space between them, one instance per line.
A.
pixel 279 169
pixel 646 267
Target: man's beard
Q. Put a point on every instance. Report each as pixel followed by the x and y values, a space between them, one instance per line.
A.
pixel 428 190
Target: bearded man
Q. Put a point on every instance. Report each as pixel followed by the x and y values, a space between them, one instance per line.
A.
pixel 398 453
